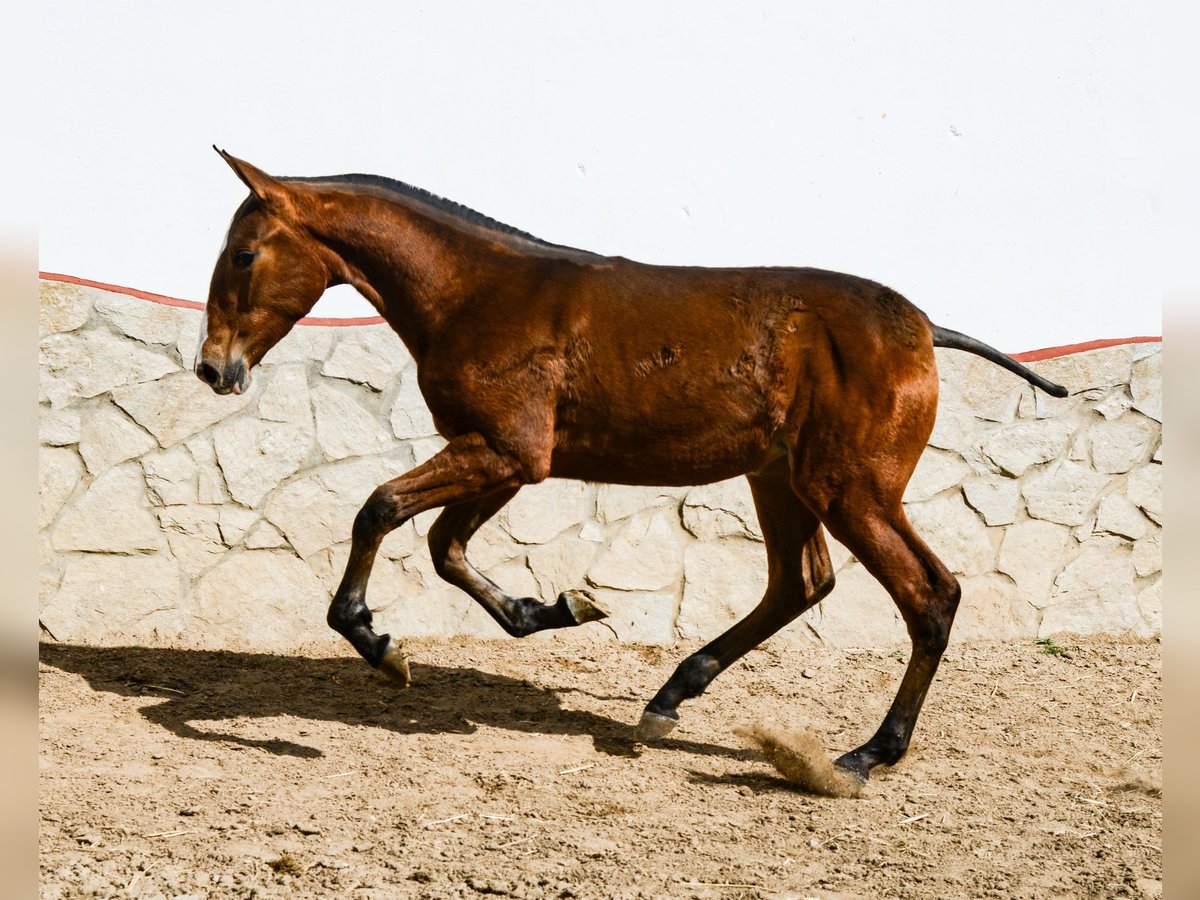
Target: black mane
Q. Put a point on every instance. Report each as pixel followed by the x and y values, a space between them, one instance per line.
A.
pixel 449 206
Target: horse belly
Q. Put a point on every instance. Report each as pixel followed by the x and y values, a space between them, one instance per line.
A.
pixel 663 443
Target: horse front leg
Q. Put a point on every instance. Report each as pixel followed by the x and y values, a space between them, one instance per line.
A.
pixel 465 469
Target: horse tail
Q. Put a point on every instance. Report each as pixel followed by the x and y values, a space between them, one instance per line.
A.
pixel 944 337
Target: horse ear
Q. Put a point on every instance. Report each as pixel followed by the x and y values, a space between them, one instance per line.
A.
pixel 271 191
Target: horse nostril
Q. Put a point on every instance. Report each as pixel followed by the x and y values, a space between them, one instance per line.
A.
pixel 208 373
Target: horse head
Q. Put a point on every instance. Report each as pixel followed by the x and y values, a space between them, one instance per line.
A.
pixel 269 274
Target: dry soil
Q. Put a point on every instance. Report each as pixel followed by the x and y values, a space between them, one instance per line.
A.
pixel 508 770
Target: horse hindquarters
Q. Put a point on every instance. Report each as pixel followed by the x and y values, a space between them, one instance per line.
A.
pixel 851 469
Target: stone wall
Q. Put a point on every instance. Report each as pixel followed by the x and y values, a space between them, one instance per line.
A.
pixel 169 514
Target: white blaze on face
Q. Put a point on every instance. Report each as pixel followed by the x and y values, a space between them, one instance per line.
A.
pixel 204 318
pixel 203 338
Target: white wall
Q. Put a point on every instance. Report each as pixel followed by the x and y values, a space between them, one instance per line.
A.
pixel 996 163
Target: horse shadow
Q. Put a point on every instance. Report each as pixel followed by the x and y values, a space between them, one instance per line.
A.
pixel 206 687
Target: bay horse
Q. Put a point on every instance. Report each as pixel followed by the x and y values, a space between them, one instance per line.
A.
pixel 538 360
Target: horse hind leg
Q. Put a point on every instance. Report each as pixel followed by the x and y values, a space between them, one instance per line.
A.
pixel 927 596
pixel 799 575
pixel 519 616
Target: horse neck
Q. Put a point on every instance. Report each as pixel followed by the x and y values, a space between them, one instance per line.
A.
pixel 416 271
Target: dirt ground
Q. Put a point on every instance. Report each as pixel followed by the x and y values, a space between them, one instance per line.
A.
pixel 508 770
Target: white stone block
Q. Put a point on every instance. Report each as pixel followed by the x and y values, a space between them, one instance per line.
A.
pixel 103 597
pixel 170 476
pixel 142 320
pixel 108 437
pixel 59 471
pixel 723 509
pixel 996 500
pixel 955 533
pixel 423 521
pixel 285 396
pixel 1144 488
pixel 112 516
pixel 1092 615
pixel 345 427
pixel 177 407
pixel 437 608
pixel 187 337
pixel 264 536
pixel 723 581
pixel 304 343
pixel 936 471
pixel 857 613
pixel 640 618
pixel 210 483
pixel 643 556
pixel 1121 444
pixel 490 546
pixel 1147 555
pixel 993 609
pixel 541 512
pixel 234 522
pixel 410 416
pixel 593 531
pixel 1023 444
pixel 316 509
pixel 1096 369
pixel 194 536
pixel 1031 553
pixel 262 597
pixel 955 429
pixel 978 386
pixel 63 307
pixel 402 542
pixel 58 427
pixel 1117 515
pixel 367 354
pixel 560 565
pixel 89 362
pixel 1146 386
pixel 1095 592
pixel 615 502
pixel 1063 492
pixel 1115 404
pixel 1150 605
pixel 255 455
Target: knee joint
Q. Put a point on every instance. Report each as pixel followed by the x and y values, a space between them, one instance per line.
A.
pixel 377 517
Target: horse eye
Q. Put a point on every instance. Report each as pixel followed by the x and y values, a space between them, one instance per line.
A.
pixel 243 258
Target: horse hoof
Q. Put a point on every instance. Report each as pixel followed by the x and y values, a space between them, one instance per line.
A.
pixel 852 767
pixel 583 607
pixel 395 666
pixel 654 727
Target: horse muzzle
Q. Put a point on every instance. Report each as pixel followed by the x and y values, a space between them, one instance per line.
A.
pixel 231 378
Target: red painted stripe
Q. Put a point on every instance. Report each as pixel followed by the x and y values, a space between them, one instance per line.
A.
pixel 1027 356
pixel 1068 349
pixel 191 304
